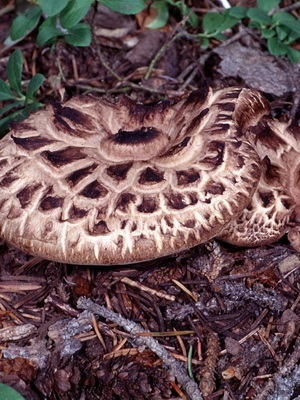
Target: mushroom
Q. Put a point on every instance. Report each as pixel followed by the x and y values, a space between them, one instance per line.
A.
pixel 275 206
pixel 105 182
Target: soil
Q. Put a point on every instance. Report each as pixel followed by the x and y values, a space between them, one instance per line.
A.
pixel 227 317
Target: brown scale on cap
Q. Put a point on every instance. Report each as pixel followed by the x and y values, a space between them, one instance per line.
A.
pixel 101 182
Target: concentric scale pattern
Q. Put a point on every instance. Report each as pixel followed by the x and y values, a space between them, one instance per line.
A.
pixel 100 182
pixel 274 207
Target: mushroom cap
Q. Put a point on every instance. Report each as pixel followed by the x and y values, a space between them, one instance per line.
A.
pixel 102 182
pixel 275 206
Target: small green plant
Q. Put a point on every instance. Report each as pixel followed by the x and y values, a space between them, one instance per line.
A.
pixel 214 24
pixel 161 8
pixel 23 103
pixel 62 20
pixel 8 393
pixel 280 29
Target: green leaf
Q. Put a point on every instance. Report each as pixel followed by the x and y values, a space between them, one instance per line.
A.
pixel 219 36
pixel 254 25
pixel 162 14
pixel 48 32
pixel 287 20
pixel 80 35
pixel 292 37
pixel 204 43
pixel 5 92
pixel 258 15
pixel 294 26
pixel 52 7
pixel 283 18
pixel 35 83
pixel 4 127
pixel 212 21
pixel 282 32
pixel 228 22
pixel 10 106
pixel 277 48
pixel 186 11
pixel 14 71
pixel 193 20
pixel 268 33
pixel 237 12
pixel 17 116
pixel 74 12
pixel 125 7
pixel 267 5
pixel 8 393
pixel 293 55
pixel 33 106
pixel 25 23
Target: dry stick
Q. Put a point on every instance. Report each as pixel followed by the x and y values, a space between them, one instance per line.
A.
pixel 175 367
pixel 193 68
pixel 286 369
pixel 159 53
pixel 107 66
pixel 123 81
pixel 287 8
pixel 207 373
pixel 127 86
pixel 146 289
pixel 166 45
pixel 7 9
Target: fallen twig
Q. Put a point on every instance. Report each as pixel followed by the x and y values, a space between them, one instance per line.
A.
pixel 176 368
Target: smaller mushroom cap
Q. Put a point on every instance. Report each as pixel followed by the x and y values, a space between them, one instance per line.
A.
pixel 274 207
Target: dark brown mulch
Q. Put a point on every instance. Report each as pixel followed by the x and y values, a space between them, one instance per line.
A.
pixel 230 315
